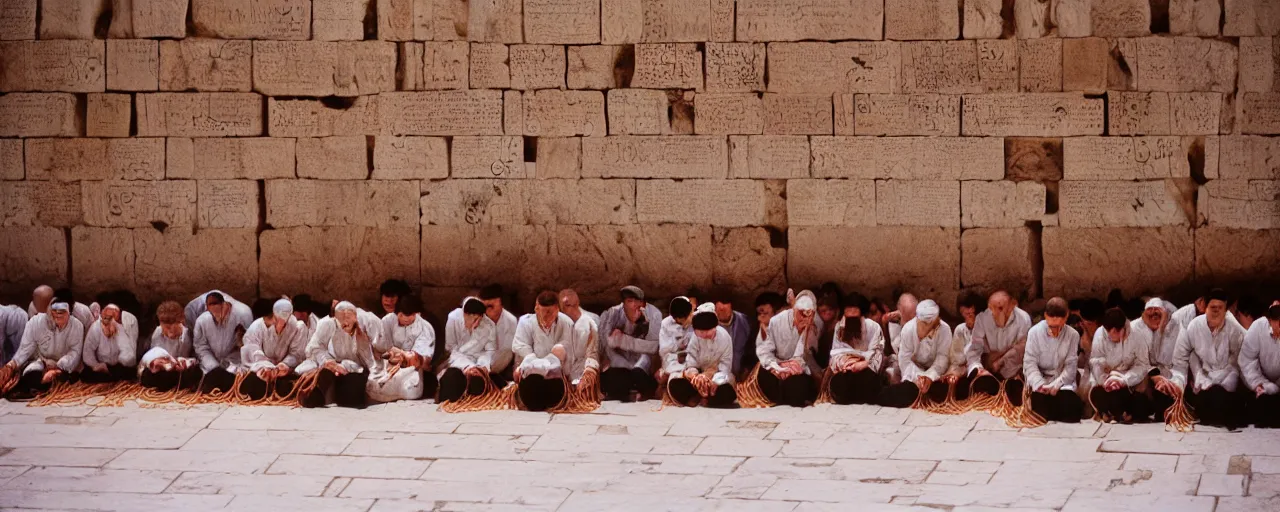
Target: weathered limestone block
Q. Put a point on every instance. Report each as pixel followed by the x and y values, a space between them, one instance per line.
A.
pixel 133 65
pixel 18 20
pixel 512 112
pixel 179 263
pixel 773 20
pixel 338 20
pixel 831 202
pixel 621 21
pixel 149 18
pixel 1000 204
pixel 581 201
pixel 594 67
pixel 908 158
pixel 997 65
pixel 536 66
pixel 70 19
pixel 66 66
pixel 488 157
pixel 1258 64
pixel 1261 113
pixel 1031 18
pixel 456 202
pixel 179 157
pixel 1251 18
pixel 355 257
pixel 639 112
pixel 833 68
pixel 996 258
pixel 333 158
pixel 918 203
pixel 475 255
pixel 716 202
pixel 562 21
pixel 472 112
pixel 489 66
pixel 656 21
pixel 746 262
pixel 904 114
pixel 633 156
pixel 558 157
pixel 982 19
pixel 728 113
pixel 1138 113
pixel 1243 256
pixel 205 114
pixel 108 115
pixel 39 114
pixel 320 118
pixel 1084 64
pixel 494 21
pixel 322 68
pixel 1250 157
pixel 768 156
pixel 288 20
pixel 206 65
pixel 735 67
pixel 1124 158
pixel 956 67
pixel 1073 18
pixel 405 20
pixel 1040 65
pixel 925 260
pixel 667 66
pixel 1090 262
pixel 1097 204
pixel 227 204
pixel 921 19
pixel 370 203
pixel 139 204
pixel 31 257
pixel 1207 148
pixel 1194 17
pixel 11 164
pixel 95 159
pixel 1184 64
pixel 52 204
pixel 555 113
pixel 797 114
pixel 238 159
pixel 1044 115
pixel 1121 18
pixel 1194 113
pixel 1247 204
pixel 410 158
pixel 102 259
pixel 434 65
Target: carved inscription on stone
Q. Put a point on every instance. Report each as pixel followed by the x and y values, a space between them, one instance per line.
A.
pixel 537 66
pixel 1250 157
pixel 11 165
pixel 461 202
pixel 108 115
pixel 769 156
pixel 39 114
pixel 831 202
pixel 794 20
pixel 492 21
pixel 555 113
pixel 322 68
pixel 1084 204
pixel 1261 113
pixel 1123 158
pixel 95 159
pixel 133 65
pixel 313 118
pixel 206 114
pixel 906 114
pixel 333 158
pixel 909 158
pixel 714 202
pixel 67 66
pixel 997 65
pixel 338 20
pixel 18 20
pixel 370 203
pixel 227 204
pixel 667 66
pixel 1138 113
pixel 252 19
pixel 472 112
pixel 631 156
pixel 1043 115
pixel 797 114
pixel 735 67
pixel 675 21
pixel 206 65
pixel 918 203
pixel 729 113
pixel 1241 204
pixel 407 158
pixel 488 157
pixel 1194 113
pixel 940 67
pixel 24 203
pixel 139 204
pixel 1040 65
pixel 1121 18
pixel 1184 64
pixel 921 19
pixel 593 67
pixel 489 68
pixel 562 21
pixel 831 68
pixel 638 112
pixel 242 158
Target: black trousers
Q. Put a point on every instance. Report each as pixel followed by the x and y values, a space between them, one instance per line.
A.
pixel 905 393
pixel 684 393
pixel 257 389
pixel 990 385
pixel 217 380
pixel 114 373
pixel 1121 401
pixel 454 383
pixel 539 393
pixel 165 381
pixel 860 387
pixel 1220 408
pixel 1065 407
pixel 430 384
pixel 796 390
pixel 30 385
pixel 619 383
pixel 348 390
pixel 1265 411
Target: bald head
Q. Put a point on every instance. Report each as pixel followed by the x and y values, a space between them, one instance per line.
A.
pixel 569 303
pixel 907 306
pixel 1001 305
pixel 41 297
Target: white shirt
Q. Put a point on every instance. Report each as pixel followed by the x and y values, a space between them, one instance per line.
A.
pixel 242 313
pixel 215 343
pixel 785 343
pixel 506 331
pixel 165 347
pixel 627 351
pixel 532 344
pixel 331 343
pixel 581 353
pixel 469 347
pixel 926 357
pixel 1211 356
pixel 1260 358
pixel 265 348
pixel 870 346
pixel 13 321
pixel 713 357
pixel 43 341
pixel 79 311
pixel 673 344
pixel 1050 361
pixel 418 337
pixel 1128 361
pixel 958 362
pixel 987 336
pixel 120 349
pixel 1160 344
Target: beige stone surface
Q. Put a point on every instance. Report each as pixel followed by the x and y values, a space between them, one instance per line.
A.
pixel 746 261
pixel 1261 113
pixel 1194 113
pixel 139 204
pixel 729 113
pixel 917 203
pixel 318 118
pixel 1121 18
pixel 11 163
pixel 513 112
pixel 1073 18
pixel 1043 114
pixel 31 257
pixel 925 260
pixel 211 114
pixel 831 202
pixel 1237 255
pixel 1184 64
pixel 1247 204
pixel 322 68
pixel 735 67
pixel 66 66
pixel 252 19
pixel 405 20
pixel 587 201
pixel 1258 64
pixel 108 115
pixel 905 114
pixel 490 68
pixel 982 19
pixel 1089 262
pixel 730 203
pixel 488 201
pixel 797 114
pixel 179 157
pixel 562 21
pixel 1138 113
pixel 1249 157
pixel 382 204
pixel 1093 204
pixel 1040 65
pixel 1124 158
pixel 494 21
pixel 594 67
pixel 1001 204
pixel 487 157
pixel 667 66
pixel 48 204
pixel 338 20
pixel 179 262
pixel 956 67
pixel 240 158
pixel 333 158
pixel 921 19
pixel 537 66
pixel 558 157
pixel 18 20
pixel 227 204
pixel 71 19
pixel 473 112
pixel 621 21
pixel 1194 17
pixel 149 18
pixel 628 156
pixel 1084 64
pixel 102 259
pixel 639 112
pixel 206 65
pixel 408 158
pixel 95 159
pixel 770 20
pixel 555 113
pixel 768 156
pixel 1031 18
pixel 1250 18
pixel 830 68
pixel 438 65
pixel 997 258
pixel 39 115
pixel 133 65
pixel 912 158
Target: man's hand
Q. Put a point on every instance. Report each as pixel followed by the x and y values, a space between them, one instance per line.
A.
pixel 780 373
pixel 893 316
pixel 1166 386
pixel 793 366
pixel 1049 390
pixel 474 371
pixel 156 365
pixel 690 373
pixel 1259 390
pixel 616 332
pixel 859 365
pixel 588 379
pixel 282 370
pixel 1113 385
pixel 516 375
pixel 49 375
pixel 395 356
pixel 335 367
pixel 266 374
pixel 923 383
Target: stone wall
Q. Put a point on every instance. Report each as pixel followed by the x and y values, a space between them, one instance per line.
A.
pixel 284 146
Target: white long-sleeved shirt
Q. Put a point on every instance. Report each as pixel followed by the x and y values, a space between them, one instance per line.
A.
pixel 331 343
pixel 785 343
pixel 418 337
pixel 309 326
pixel 1212 356
pixel 241 312
pixel 581 353
pixel 957 361
pixel 505 328
pixel 79 311
pixel 673 344
pixel 626 350
pixel 469 347
pixel 1050 361
pixel 165 347
pixel 870 346
pixel 711 356
pixel 120 349
pixel 1128 361
pixel 215 343
pixel 13 321
pixel 1161 344
pixel 43 341
pixel 987 336
pixel 266 348
pixel 1260 358
pixel 532 344
pixel 926 357
pixel 1184 315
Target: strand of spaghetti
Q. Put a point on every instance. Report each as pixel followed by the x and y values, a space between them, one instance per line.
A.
pixel 1180 416
pixel 749 394
pixel 824 389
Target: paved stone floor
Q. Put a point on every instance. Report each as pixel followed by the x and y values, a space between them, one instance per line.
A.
pixel 623 457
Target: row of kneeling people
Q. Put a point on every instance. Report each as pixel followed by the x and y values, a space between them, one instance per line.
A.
pixel 1126 369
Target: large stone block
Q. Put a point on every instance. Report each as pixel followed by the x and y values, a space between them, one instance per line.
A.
pixel 321 118
pixel 769 156
pixel 473 256
pixel 206 65
pixel 918 203
pixel 982 19
pixel 379 204
pixel 586 201
pixel 1000 204
pixel 641 112
pixel 133 65
pixel 409 158
pixel 473 112
pixel 108 115
pixel 1037 115
pixel 238 158
pixel 562 21
pixel 832 68
pixel 1261 113
pixel 1121 18
pixel 1124 158
pixel 322 68
pixel 1246 204
pixel 333 158
pixel 1031 18
pixel 735 67
pixel 729 203
pixel 71 19
pixel 1194 17
pixel 910 158
pixel 1250 157
pixel 18 20
pixel 537 66
pixel 406 20
pixel 11 165
pixel 1073 18
pixel 1138 261
pixel 1258 64
pixel 1138 113
pixel 667 66
pixel 1183 64
pixel 592 67
pixel 885 260
pixel 52 204
pixel 31 257
pixel 1097 204
pixel 148 19
pixel 656 21
pixel 227 204
pixel 1040 65
pixel 957 67
pixel 488 157
pixel 921 19
pixel 204 114
pixel 1251 18
pixel 1247 257
pixel 288 20
pixel 831 202
pixel 66 66
pixel 629 156
pixel 728 113
pixel 95 159
pixel 39 114
pixel 797 114
pixel 1195 113
pixel 490 65
pixel 1084 64
pixel 904 114
pixel 558 157
pixel 455 202
pixel 771 20
pixel 102 259
pixel 494 21
pixel 997 258
pixel 435 65
pixel 338 20
pixel 181 263
pixel 139 204
pixel 554 113
pixel 746 262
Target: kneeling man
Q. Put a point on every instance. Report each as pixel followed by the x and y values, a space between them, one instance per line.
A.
pixel 1049 365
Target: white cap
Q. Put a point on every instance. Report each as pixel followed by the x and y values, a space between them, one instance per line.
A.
pixel 927 311
pixel 1155 302
pixel 345 306
pixel 283 309
pixel 805 301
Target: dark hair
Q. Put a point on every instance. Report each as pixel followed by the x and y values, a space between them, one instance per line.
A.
pixel 493 291
pixel 262 307
pixel 830 288
pixel 972 300
pixel 1056 307
pixel 1273 313
pixel 471 306
pixel 681 307
pixel 547 298
pixel 1092 310
pixel 302 303
pixel 64 295
pixel 719 295
pixel 771 299
pixel 705 320
pixel 1218 294
pixel 409 305
pixel 394 288
pixel 1251 306
pixel 852 332
pixel 859 301
pixel 830 300
pixel 1115 298
pixel 1114 318
pixel 695 293
pixel 169 312
pixel 214 297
